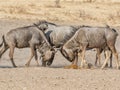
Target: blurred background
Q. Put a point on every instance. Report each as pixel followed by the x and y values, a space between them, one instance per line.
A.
pixel 69 11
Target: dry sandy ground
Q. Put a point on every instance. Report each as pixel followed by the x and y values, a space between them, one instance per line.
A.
pixel 54 77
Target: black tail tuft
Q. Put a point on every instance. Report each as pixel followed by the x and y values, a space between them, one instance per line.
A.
pixel 115 31
pixel 2 41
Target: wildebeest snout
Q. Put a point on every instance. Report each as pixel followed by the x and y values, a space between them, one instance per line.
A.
pixel 68 54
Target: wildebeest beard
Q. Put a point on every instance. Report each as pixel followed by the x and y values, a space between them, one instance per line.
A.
pixel 48 62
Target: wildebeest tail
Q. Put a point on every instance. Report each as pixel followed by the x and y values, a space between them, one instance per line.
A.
pixel 2 41
pixel 115 31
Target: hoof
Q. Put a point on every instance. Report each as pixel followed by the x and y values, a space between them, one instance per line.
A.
pixel 96 65
pixel 15 66
pixel 87 66
pixel 38 65
pixel 106 65
pixel 43 64
pixel 110 67
pixel 27 65
pixel 71 67
pixel 102 68
pixel 118 68
pixel 90 66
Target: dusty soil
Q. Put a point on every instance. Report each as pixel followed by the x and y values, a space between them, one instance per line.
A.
pixel 54 77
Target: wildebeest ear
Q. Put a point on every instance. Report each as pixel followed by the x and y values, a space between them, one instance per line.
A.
pixel 107 26
pixel 41 27
pixel 36 25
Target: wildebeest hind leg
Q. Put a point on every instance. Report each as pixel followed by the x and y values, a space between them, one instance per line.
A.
pixel 98 58
pixel 107 55
pixel 113 49
pixel 11 55
pixel 84 64
pixel 2 51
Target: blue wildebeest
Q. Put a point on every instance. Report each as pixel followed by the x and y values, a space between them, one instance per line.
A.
pixel 29 36
pixel 89 38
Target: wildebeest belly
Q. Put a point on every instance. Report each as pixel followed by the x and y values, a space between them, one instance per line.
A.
pixel 23 39
pixel 22 44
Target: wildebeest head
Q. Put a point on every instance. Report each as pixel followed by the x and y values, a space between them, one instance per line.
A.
pixel 42 25
pixel 47 54
pixel 68 53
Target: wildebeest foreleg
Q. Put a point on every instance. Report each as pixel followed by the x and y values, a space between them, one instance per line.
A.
pixel 36 58
pixel 74 63
pixel 32 55
pixel 83 61
pixel 11 55
pixel 111 60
